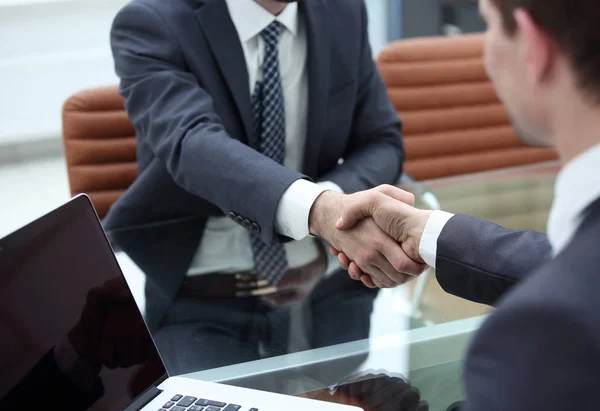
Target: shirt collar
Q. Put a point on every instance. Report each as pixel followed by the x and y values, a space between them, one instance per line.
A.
pixel 250 18
pixel 577 187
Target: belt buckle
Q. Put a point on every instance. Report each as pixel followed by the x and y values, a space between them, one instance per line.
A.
pixel 249 286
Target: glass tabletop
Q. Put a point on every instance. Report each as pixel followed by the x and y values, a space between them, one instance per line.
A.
pixel 339 340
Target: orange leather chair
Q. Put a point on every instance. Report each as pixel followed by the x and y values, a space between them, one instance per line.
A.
pixel 100 146
pixel 453 122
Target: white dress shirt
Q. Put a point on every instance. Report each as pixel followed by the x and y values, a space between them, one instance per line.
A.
pixel 226 246
pixel 577 187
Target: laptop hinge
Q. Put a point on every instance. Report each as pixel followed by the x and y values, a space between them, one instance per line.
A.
pixel 144 398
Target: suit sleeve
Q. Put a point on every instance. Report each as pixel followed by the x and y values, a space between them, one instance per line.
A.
pixel 375 153
pixel 480 261
pixel 175 116
pixel 49 384
pixel 532 357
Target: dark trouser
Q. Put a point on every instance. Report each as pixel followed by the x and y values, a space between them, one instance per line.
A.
pixel 201 334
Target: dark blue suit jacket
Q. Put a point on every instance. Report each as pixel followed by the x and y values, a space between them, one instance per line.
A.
pixel 185 83
pixel 540 349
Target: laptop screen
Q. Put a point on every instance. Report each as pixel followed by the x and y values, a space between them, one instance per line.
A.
pixel 73 337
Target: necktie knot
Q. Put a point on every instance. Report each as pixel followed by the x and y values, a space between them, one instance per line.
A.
pixel 271 34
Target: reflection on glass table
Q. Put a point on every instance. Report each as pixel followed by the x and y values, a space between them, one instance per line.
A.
pixel 339 337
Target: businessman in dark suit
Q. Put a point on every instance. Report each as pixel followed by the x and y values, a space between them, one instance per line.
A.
pixel 240 106
pixel 247 112
pixel 540 349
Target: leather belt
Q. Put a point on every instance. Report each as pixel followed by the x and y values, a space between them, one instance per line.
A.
pixel 240 285
pixel 225 285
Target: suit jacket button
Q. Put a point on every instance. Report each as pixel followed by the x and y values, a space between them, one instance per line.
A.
pixel 239 220
pixel 248 224
pixel 255 228
pixel 232 215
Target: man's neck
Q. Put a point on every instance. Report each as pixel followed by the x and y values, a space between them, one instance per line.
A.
pixel 272 6
pixel 576 131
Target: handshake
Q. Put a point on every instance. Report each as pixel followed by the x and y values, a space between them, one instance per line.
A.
pixel 375 234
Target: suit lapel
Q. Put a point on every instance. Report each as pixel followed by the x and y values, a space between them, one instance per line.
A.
pixel 318 79
pixel 225 44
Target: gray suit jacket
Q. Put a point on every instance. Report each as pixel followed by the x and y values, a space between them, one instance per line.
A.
pixel 540 349
pixel 185 83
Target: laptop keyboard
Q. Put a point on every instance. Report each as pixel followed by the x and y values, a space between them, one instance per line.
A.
pixel 189 403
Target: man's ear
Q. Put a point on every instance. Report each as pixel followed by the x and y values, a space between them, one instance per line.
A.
pixel 538 48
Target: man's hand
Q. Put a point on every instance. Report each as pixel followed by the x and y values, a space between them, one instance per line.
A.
pixel 389 208
pixel 364 242
pixel 383 393
pixel 374 392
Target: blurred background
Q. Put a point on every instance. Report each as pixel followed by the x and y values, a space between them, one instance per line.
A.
pixel 50 49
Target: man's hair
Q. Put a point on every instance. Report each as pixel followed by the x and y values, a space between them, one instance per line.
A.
pixel 574 25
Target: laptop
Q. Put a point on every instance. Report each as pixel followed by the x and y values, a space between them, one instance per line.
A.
pixel 74 337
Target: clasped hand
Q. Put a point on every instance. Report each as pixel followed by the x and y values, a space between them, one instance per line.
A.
pixel 375 234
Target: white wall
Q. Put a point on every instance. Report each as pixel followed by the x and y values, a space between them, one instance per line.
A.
pixel 49 49
pixel 378 19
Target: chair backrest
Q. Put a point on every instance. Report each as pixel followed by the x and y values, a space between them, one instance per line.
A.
pixel 100 145
pixel 453 121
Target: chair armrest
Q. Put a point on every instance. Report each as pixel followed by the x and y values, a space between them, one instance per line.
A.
pixel 421 191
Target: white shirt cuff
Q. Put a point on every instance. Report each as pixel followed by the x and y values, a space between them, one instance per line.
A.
pixel 293 210
pixel 330 186
pixel 433 228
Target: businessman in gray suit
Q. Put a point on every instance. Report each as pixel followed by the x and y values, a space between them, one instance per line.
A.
pixel 540 349
pixel 246 113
